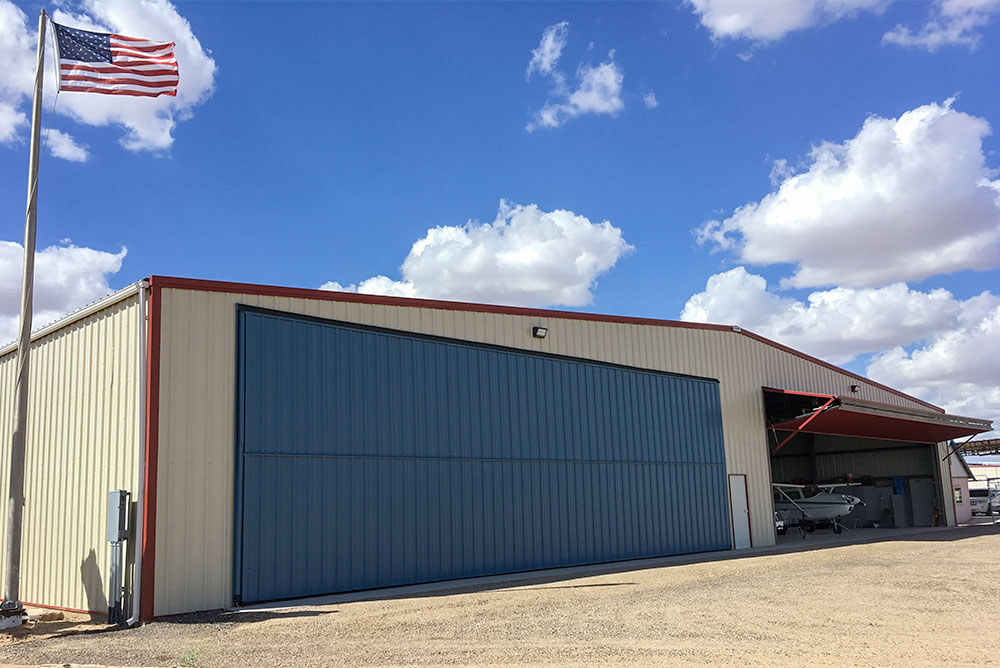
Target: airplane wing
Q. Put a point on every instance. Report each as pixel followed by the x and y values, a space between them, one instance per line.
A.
pixel 829 487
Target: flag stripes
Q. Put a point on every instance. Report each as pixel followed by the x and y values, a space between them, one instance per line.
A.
pixel 112 64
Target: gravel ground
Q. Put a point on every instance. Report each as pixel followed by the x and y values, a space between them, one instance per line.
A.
pixel 909 602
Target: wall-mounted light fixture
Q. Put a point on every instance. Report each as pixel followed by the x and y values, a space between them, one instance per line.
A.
pixel 854 388
pixel 539 332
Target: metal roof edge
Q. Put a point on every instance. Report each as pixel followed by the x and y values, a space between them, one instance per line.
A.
pixel 67 320
pixel 965 465
pixel 330 295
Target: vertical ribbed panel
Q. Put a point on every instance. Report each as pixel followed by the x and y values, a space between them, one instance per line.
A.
pixel 81 443
pixel 198 385
pixel 363 449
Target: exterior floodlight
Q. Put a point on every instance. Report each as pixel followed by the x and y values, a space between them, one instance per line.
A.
pixel 854 388
pixel 539 332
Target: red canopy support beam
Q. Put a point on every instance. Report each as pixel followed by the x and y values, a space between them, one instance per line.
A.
pixel 803 425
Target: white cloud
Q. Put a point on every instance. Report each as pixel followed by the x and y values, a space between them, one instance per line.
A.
pixel 958 369
pixel 837 324
pixel 544 58
pixel 599 90
pixel 954 345
pixel 599 93
pixel 526 257
pixel 62 145
pixel 148 122
pixel 769 20
pixel 11 121
pixel 17 53
pixel 67 277
pixel 649 99
pixel 951 22
pixel 905 199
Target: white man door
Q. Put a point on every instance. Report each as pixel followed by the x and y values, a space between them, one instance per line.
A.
pixel 740 511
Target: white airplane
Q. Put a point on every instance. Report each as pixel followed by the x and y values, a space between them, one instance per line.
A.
pixel 824 506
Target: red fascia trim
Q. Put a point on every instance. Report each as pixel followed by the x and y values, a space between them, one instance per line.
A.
pixel 327 295
pixel 92 613
pixel 147 585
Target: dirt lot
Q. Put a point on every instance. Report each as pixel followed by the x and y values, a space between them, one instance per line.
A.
pixel 909 602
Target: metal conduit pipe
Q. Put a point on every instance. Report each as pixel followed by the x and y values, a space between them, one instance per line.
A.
pixel 140 497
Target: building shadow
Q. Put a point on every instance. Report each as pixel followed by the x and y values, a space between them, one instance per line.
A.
pixel 93 584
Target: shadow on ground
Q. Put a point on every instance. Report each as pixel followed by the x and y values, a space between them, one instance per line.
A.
pixel 815 541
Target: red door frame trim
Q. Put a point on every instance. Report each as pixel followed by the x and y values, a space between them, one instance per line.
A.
pixel 732 519
pixel 147 585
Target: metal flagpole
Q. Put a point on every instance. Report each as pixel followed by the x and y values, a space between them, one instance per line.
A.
pixel 11 610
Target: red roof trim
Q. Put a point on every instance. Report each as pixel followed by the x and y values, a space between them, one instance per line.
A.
pixel 328 295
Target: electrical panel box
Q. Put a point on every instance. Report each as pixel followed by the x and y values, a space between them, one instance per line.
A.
pixel 118 507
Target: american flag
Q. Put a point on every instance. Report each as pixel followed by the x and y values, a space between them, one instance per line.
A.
pixel 99 62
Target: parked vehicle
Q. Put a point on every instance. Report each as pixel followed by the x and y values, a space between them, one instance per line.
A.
pixel 984 501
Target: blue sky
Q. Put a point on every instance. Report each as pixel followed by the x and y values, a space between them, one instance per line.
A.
pixel 318 142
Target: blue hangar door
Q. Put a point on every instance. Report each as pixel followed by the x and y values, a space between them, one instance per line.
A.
pixel 370 457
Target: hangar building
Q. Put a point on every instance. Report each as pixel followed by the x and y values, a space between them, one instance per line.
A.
pixel 283 442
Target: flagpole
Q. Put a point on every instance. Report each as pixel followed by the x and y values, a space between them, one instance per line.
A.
pixel 11 610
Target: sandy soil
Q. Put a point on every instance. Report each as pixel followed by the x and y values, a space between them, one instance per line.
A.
pixel 910 602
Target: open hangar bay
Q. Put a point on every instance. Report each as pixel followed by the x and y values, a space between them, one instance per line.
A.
pixel 282 442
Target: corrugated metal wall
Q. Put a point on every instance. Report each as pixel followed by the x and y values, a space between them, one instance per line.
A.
pixel 198 383
pixel 836 456
pixel 81 443
pixel 370 459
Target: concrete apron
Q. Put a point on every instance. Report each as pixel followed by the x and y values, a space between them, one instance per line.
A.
pixel 820 539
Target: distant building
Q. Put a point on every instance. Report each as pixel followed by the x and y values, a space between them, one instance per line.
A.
pixel 961 475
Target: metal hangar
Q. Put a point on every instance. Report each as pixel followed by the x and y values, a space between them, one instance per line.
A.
pixel 283 442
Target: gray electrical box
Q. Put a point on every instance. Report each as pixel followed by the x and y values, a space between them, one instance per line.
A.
pixel 118 506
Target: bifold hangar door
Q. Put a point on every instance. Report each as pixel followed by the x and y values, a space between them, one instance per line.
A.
pixel 369 457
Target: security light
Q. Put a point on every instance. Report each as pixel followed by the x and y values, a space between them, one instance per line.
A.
pixel 539 332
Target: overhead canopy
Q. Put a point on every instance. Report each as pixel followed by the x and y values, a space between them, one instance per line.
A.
pixel 846 416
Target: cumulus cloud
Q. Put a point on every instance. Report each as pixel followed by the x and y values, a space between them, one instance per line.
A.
pixel 649 99
pixel 11 121
pixel 958 369
pixel 951 22
pixel 148 122
pixel 544 58
pixel 62 145
pixel 67 277
pixel 904 199
pixel 837 324
pixel 769 20
pixel 598 91
pixel 526 257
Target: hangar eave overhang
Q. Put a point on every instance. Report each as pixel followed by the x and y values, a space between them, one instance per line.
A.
pixel 847 416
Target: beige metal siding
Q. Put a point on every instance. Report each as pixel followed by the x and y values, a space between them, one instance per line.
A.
pixel 81 443
pixel 197 389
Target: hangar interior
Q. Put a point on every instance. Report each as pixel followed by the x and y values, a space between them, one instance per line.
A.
pixel 884 455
